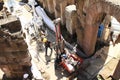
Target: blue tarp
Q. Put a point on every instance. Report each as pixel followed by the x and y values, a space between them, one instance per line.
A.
pixel 100 30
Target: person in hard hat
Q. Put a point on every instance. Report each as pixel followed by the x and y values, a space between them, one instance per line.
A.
pixel 25 76
pixel 47 45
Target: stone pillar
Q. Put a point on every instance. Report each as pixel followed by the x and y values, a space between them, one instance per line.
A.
pixel 79 33
pixel 50 6
pixel 45 6
pixel 89 40
pixel 90 17
pixel 62 9
pixel 57 8
pixel 15 60
pixel 71 18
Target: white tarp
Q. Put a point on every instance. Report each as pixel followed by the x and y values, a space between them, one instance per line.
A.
pixel 36 73
pixel 46 19
pixel 115 25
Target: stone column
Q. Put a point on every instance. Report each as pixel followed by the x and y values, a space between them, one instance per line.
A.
pixel 62 9
pixel 45 6
pixel 57 8
pixel 89 40
pixel 50 6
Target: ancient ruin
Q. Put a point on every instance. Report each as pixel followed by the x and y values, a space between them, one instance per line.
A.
pixel 91 24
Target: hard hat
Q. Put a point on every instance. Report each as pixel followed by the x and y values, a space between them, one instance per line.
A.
pixel 25 75
pixel 44 40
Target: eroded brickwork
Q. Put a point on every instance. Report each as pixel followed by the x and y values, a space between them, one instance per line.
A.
pixel 14 57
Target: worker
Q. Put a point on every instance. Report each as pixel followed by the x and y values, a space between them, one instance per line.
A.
pixel 47 45
pixel 63 54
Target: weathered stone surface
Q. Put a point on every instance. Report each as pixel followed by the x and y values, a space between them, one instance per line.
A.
pixel 79 32
pixel 50 6
pixel 10 19
pixel 57 8
pixel 71 18
pixel 62 9
pixel 45 6
pixel 14 57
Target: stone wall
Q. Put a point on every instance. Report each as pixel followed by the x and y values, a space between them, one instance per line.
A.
pixel 14 57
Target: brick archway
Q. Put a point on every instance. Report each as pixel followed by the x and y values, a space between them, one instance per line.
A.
pixel 90 14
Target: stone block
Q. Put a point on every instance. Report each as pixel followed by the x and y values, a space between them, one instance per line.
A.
pixel 71 18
